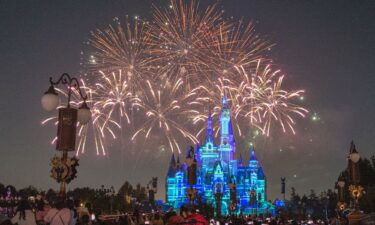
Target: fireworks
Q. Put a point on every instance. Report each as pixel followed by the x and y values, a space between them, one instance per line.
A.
pixel 165 107
pixel 112 95
pixel 98 128
pixel 180 38
pixel 175 67
pixel 123 46
pixel 213 98
pixel 264 100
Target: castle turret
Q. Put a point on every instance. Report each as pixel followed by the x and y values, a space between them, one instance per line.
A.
pixel 253 161
pixel 260 173
pixel 210 130
pixel 227 144
pixel 225 123
pixel 178 164
pixel 172 167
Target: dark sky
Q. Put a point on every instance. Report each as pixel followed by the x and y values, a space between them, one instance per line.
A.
pixel 324 47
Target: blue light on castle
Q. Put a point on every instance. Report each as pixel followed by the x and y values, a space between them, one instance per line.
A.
pixel 217 171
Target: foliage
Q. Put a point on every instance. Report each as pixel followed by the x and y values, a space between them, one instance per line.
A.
pixel 320 206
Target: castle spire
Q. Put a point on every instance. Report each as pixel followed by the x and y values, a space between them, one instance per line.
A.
pixel 178 162
pixel 240 160
pixel 225 123
pixel 209 131
pixel 352 147
pixel 173 161
pixel 224 102
pixel 252 155
pixel 172 166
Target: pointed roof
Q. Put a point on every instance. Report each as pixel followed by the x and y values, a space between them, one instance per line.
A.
pixel 260 173
pixel 173 161
pixel 224 102
pixel 352 148
pixel 230 127
pixel 172 167
pixel 217 166
pixel 252 155
pixel 209 131
pixel 178 164
pixel 240 160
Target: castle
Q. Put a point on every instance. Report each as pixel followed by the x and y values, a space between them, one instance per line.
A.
pixel 221 180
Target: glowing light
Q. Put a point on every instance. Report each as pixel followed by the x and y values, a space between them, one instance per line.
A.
pixel 315 117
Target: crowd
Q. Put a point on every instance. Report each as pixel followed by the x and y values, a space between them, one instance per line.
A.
pixel 42 212
pixel 69 212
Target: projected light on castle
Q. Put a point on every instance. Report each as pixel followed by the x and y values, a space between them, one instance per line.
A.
pixel 239 188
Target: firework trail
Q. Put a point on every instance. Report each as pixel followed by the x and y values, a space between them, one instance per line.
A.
pixel 123 46
pixel 98 128
pixel 212 99
pixel 265 102
pixel 165 107
pixel 180 37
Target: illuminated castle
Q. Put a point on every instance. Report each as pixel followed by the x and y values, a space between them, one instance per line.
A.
pixel 217 170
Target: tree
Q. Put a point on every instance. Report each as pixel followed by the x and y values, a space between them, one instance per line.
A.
pixel 126 189
pixel 28 191
pixel 367 172
pixel 2 189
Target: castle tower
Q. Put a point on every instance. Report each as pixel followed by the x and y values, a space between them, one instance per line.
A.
pixel 210 130
pixel 227 144
pixel 208 152
pixel 170 188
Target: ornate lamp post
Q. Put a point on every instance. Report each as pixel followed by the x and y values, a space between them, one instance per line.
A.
pixel 192 175
pixel 355 189
pixel 64 167
pixel 341 205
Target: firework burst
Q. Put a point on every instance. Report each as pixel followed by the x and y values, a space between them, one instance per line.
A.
pixel 123 46
pixel 265 102
pixel 212 98
pixel 165 106
pixel 235 45
pixel 180 38
pixel 113 95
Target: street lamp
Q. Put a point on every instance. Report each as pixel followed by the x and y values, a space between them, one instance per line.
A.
pixel 356 191
pixel 341 205
pixel 64 167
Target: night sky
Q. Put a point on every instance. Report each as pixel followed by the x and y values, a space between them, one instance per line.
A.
pixel 324 47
